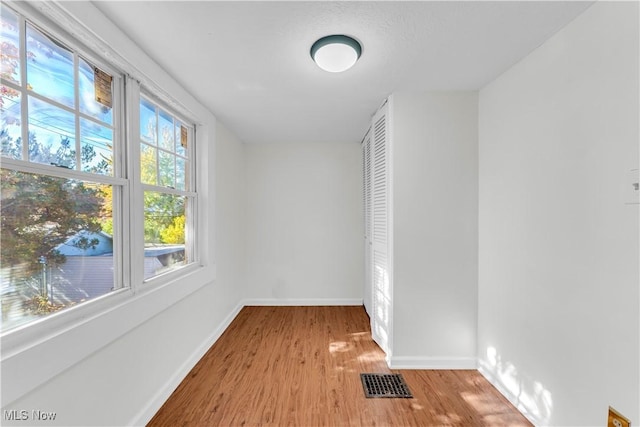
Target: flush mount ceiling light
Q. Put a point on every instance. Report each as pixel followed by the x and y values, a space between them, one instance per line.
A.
pixel 336 53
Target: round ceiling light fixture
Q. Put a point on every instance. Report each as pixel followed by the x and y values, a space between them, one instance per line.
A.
pixel 336 53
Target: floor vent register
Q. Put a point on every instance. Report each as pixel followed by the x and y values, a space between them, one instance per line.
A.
pixel 385 385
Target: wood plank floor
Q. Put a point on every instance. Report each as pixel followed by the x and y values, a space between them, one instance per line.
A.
pixel 300 366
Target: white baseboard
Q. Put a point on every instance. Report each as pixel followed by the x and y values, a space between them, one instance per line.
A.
pixel 412 362
pixel 156 402
pixel 302 301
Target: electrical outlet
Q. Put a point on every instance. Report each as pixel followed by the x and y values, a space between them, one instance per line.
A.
pixel 616 419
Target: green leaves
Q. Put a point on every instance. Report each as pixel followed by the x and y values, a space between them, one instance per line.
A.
pixel 41 212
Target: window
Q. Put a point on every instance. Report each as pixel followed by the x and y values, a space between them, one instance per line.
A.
pixel 67 187
pixel 165 172
pixel 59 177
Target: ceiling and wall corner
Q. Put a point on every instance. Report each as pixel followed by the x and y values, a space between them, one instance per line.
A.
pixel 249 62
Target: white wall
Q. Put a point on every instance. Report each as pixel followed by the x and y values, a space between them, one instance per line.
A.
pixel 304 223
pixel 558 254
pixel 127 381
pixel 231 189
pixel 435 229
pixel 118 367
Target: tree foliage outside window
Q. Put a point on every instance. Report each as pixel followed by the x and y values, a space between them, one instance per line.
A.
pixel 164 170
pixel 44 215
pixel 41 212
pixel 67 185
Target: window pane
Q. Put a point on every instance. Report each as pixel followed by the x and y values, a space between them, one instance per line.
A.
pixel 148 165
pixel 10 134
pixel 166 132
pixel 148 122
pixel 57 248
pixel 51 134
pixel 97 148
pixel 167 169
pixel 49 68
pixel 181 173
pixel 88 103
pixel 10 45
pixel 164 232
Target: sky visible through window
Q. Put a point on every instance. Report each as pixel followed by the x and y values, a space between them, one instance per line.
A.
pixel 164 165
pixel 57 232
pixel 50 74
pixel 60 236
pixel 163 150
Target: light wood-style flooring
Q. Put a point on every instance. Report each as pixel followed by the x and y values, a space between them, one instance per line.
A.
pixel 300 366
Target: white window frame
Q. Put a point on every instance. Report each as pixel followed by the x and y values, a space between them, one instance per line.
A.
pixel 119 180
pixel 149 298
pixel 192 214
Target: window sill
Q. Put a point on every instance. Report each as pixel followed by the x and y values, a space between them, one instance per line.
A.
pixel 73 335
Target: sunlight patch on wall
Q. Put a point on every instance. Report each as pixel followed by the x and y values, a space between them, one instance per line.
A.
pixel 528 395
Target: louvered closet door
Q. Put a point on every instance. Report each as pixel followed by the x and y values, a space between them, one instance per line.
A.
pixel 381 289
pixel 367 207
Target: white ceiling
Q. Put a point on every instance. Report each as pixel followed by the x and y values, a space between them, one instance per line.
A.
pixel 249 62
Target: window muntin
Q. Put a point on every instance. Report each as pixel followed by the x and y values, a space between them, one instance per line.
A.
pixel 165 159
pixel 56 77
pixel 60 189
pixel 164 155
